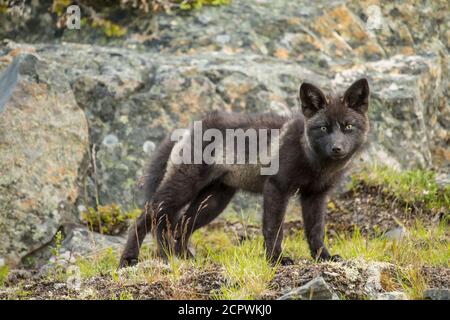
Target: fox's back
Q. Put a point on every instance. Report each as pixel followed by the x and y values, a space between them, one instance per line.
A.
pixel 226 120
pixel 247 176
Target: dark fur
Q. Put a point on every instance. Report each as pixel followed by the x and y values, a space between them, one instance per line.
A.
pixel 311 162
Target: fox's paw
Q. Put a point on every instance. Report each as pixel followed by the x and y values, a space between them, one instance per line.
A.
pixel 127 262
pixel 335 258
pixel 188 254
pixel 282 261
pixel 286 261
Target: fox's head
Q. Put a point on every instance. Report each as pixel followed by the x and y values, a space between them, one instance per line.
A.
pixel 336 126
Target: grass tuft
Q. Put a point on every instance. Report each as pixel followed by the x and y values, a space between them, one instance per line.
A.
pixel 416 188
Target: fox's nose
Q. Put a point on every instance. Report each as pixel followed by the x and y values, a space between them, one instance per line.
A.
pixel 336 149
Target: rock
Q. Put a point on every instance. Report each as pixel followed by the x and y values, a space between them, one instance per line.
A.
pixel 134 99
pixel 59 285
pixel 73 281
pixel 17 275
pixel 443 180
pixel 373 280
pixel 316 289
pixel 43 138
pixel 395 234
pixel 8 81
pixel 373 272
pixel 394 295
pixel 78 242
pixel 437 294
pixel 82 242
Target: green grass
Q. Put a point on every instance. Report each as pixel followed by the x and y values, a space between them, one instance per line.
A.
pixel 412 187
pixel 4 270
pixel 100 264
pixel 246 271
pixel 245 268
pixel 421 246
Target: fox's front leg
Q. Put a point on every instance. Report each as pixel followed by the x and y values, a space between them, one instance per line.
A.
pixel 313 210
pixel 275 202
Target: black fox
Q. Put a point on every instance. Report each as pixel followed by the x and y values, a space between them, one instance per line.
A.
pixel 315 149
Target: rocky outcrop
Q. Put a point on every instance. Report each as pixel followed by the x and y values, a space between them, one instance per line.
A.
pixel 43 138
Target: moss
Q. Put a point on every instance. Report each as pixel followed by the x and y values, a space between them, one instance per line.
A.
pixel 198 4
pixel 109 28
pixel 3 9
pixel 59 6
pixel 109 219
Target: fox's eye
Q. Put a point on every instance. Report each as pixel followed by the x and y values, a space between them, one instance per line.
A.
pixel 349 127
pixel 324 129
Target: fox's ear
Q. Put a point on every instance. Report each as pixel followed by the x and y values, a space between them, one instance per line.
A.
pixel 312 99
pixel 357 96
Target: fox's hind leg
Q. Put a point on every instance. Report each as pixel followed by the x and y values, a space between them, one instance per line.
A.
pixel 155 173
pixel 136 236
pixel 179 188
pixel 176 191
pixel 207 205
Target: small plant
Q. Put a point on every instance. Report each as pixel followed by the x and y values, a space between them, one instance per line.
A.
pixel 57 246
pixel 102 263
pixel 4 270
pixel 109 28
pixel 412 282
pixel 59 269
pixel 125 295
pixel 109 219
pixel 59 6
